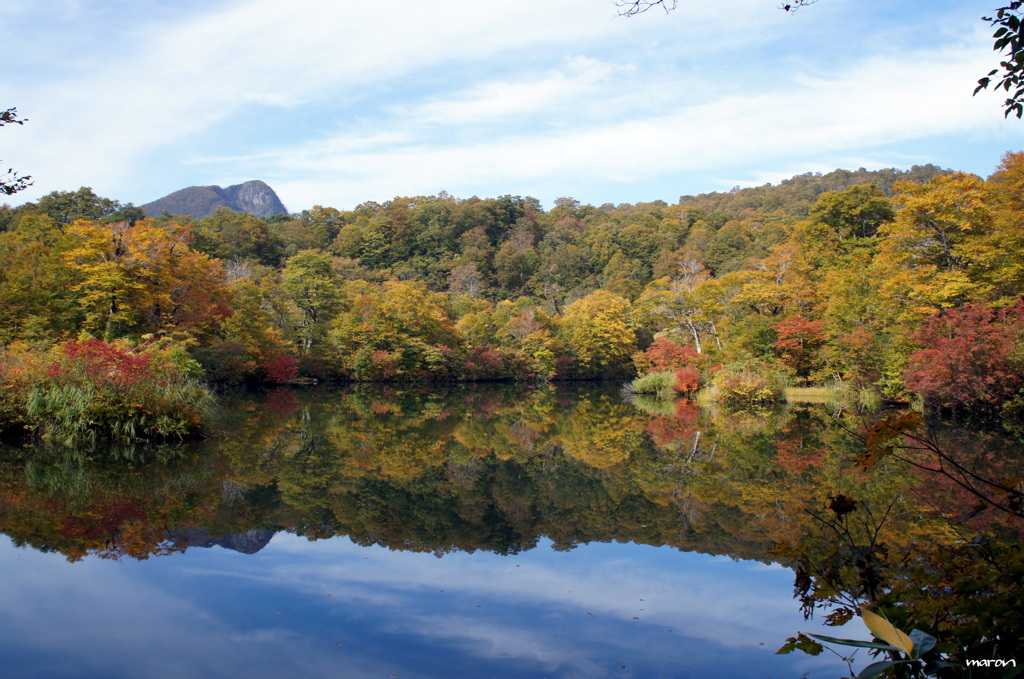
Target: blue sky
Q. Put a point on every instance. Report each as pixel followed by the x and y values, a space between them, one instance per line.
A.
pixel 334 102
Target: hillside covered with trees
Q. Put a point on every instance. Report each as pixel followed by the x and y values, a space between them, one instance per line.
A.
pixel 896 282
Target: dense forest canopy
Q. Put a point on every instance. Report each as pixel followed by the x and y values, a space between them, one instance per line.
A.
pixel 823 278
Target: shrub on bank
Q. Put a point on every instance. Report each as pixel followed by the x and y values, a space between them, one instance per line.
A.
pixel 93 388
pixel 666 369
pixel 749 382
pixel 660 383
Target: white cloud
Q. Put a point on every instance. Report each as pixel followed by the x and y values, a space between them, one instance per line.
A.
pixel 807 119
pixel 337 103
pixel 500 100
pixel 177 80
pixel 715 599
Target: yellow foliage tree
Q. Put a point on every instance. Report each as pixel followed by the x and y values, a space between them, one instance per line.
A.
pixel 597 332
pixel 144 277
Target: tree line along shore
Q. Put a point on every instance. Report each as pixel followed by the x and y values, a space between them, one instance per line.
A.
pixel 896 284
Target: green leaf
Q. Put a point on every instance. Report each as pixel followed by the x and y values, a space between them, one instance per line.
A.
pixel 943 664
pixel 876 669
pixel 854 642
pixel 923 642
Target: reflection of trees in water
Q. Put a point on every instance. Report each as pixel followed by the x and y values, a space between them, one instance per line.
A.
pixel 55 499
pixel 497 469
pixel 419 468
pixel 958 584
pixel 942 569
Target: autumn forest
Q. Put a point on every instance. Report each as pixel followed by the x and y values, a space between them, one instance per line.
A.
pixel 901 285
pixel 738 348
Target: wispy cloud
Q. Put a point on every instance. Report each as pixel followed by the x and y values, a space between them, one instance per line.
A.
pixel 717 600
pixel 574 85
pixel 337 103
pixel 310 608
pixel 805 123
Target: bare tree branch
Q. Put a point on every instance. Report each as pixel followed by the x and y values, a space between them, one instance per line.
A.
pixel 628 8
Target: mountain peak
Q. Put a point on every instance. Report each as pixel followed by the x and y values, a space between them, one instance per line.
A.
pixel 254 197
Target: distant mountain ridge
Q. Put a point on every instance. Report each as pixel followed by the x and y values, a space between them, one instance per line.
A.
pixel 253 197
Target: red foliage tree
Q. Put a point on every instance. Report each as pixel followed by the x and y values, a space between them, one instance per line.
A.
pixel 666 355
pixel 104 364
pixel 281 369
pixel 484 363
pixel 969 357
pixel 799 342
pixel 687 380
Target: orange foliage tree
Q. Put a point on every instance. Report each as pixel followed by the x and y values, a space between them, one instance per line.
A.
pixel 145 278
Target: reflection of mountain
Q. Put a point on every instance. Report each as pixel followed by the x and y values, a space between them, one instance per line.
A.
pixel 440 470
pixel 248 542
pixel 464 469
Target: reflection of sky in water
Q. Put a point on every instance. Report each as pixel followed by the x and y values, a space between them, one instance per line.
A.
pixel 334 609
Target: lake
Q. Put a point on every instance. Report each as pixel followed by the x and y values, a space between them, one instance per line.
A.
pixel 486 531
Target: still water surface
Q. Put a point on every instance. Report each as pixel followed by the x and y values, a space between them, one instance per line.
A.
pixel 334 609
pixel 404 533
